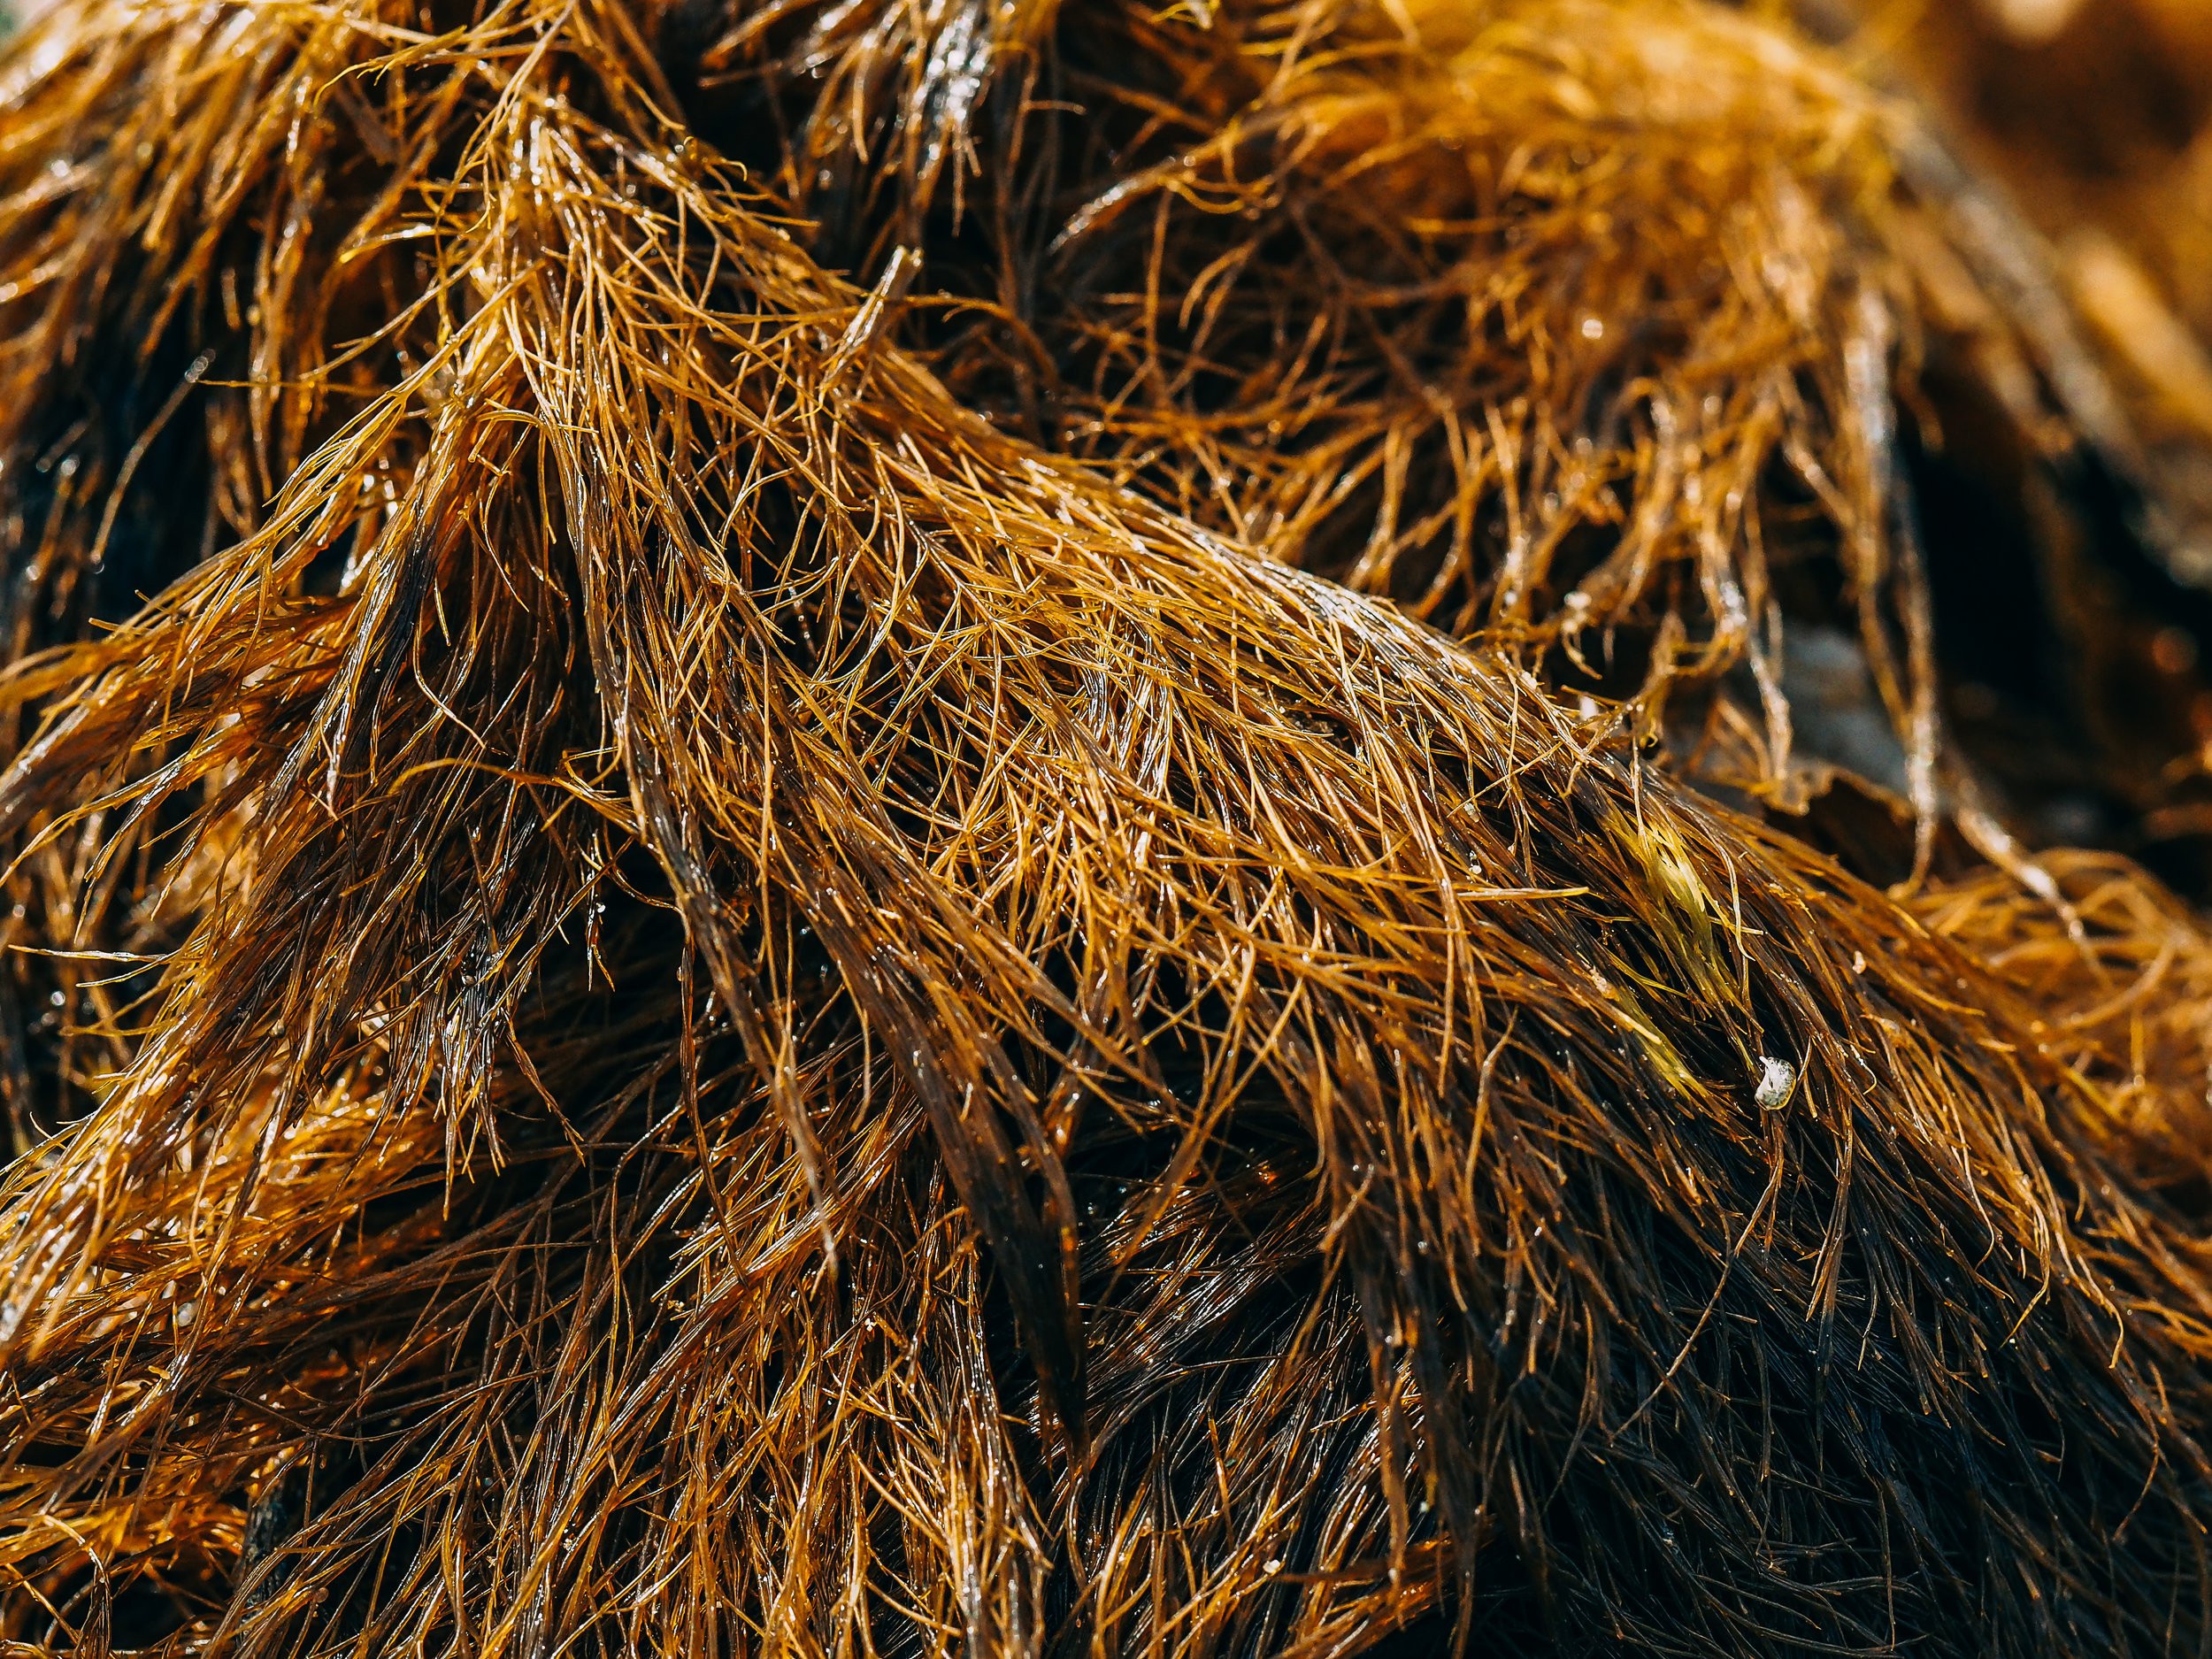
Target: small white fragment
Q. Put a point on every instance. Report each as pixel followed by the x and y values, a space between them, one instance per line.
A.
pixel 1776 1079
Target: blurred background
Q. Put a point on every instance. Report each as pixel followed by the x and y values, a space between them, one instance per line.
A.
pixel 2069 527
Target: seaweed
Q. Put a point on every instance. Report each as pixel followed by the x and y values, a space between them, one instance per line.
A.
pixel 742 973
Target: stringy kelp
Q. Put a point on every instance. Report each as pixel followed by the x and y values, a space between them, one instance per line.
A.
pixel 682 984
pixel 1491 309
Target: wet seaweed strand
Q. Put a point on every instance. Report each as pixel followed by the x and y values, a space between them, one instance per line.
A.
pixel 745 1013
pixel 1496 311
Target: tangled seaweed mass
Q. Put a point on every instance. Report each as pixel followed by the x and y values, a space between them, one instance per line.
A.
pixel 973 827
